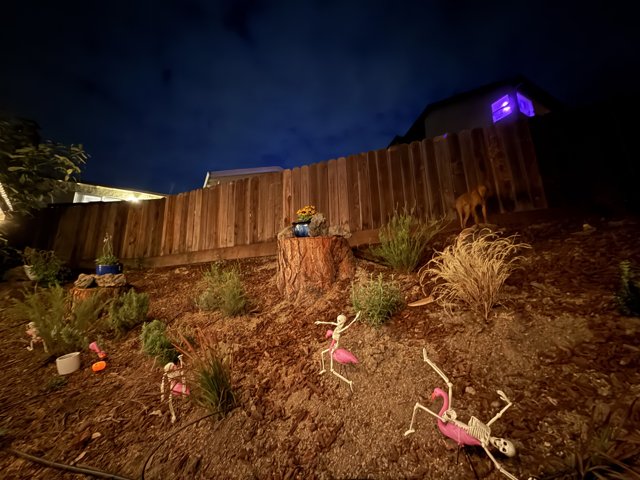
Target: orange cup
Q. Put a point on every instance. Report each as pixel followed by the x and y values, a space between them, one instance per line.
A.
pixel 99 366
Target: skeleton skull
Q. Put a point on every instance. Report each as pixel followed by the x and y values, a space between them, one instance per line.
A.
pixel 504 446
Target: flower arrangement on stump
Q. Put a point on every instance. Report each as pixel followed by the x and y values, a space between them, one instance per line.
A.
pixel 301 227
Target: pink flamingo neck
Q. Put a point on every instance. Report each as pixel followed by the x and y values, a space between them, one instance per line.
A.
pixel 437 392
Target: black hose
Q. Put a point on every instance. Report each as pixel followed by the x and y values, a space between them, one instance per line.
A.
pixel 70 468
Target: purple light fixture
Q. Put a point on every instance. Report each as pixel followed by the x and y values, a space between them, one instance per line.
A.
pixel 505 106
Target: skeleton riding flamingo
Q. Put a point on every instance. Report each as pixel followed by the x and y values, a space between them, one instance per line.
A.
pixel 448 429
pixel 473 433
pixel 340 355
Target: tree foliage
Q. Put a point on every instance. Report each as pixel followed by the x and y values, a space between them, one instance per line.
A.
pixel 32 169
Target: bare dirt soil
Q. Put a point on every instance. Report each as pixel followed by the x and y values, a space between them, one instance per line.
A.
pixel 557 347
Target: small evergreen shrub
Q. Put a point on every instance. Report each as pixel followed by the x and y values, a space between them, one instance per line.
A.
pixel 63 330
pixel 404 240
pixel 471 272
pixel 377 299
pixel 45 265
pixel 209 375
pixel 223 291
pixel 155 342
pixel 128 311
pixel 628 294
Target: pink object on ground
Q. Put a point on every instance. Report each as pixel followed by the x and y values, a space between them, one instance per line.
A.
pixel 93 346
pixel 450 429
pixel 341 355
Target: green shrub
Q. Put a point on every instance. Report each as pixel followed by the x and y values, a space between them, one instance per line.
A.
pixel 377 299
pixel 128 311
pixel 223 291
pixel 404 240
pixel 155 342
pixel 628 294
pixel 45 265
pixel 471 272
pixel 209 375
pixel 62 329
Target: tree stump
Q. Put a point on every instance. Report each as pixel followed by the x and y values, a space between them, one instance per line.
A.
pixel 313 264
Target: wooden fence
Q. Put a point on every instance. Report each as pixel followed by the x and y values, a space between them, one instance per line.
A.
pixel 358 192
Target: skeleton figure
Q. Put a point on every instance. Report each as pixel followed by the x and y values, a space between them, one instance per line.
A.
pixel 340 355
pixel 473 433
pixel 32 331
pixel 176 383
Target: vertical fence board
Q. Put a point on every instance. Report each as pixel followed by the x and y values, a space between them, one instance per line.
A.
pixel 343 193
pixel 374 191
pixel 531 165
pixel 417 169
pixel 287 198
pixel 395 174
pixel 408 180
pixel 353 194
pixel 384 186
pixel 457 167
pixel 364 192
pixel 212 217
pixel 333 210
pixel 322 188
pixel 445 174
pixel 521 194
pixel 254 206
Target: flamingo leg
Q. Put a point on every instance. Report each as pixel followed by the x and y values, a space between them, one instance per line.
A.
pixel 498 466
pixel 413 417
pixel 336 373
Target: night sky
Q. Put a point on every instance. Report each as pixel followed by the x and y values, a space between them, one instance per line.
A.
pixel 160 92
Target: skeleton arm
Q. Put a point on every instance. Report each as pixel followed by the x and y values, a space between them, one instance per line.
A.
pixel 442 375
pixel 352 322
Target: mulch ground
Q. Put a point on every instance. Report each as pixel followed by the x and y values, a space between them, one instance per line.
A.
pixel 557 347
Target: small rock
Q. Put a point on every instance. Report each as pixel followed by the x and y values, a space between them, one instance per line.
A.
pixel 111 280
pixel 470 390
pixel 84 281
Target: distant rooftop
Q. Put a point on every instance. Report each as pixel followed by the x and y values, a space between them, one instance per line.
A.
pixel 220 176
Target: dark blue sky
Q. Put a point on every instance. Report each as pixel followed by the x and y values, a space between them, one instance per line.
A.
pixel 160 92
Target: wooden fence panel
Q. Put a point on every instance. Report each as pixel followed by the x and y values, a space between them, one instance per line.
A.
pixel 333 209
pixel 445 175
pixel 343 193
pixel 385 200
pixel 395 174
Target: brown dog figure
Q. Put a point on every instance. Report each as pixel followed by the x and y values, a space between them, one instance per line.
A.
pixel 467 203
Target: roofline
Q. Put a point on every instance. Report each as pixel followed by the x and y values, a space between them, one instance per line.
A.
pixel 515 81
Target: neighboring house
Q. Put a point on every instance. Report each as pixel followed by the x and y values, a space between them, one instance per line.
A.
pixel 224 176
pixel 85 192
pixel 503 101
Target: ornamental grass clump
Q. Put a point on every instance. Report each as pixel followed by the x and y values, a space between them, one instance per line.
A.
pixel 223 291
pixel 209 375
pixel 128 311
pixel 155 342
pixel 628 294
pixel 404 240
pixel 471 272
pixel 377 299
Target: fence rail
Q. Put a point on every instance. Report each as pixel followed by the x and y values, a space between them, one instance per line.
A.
pixel 358 192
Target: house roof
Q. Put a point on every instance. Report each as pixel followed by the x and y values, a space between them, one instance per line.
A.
pixel 238 172
pixel 520 81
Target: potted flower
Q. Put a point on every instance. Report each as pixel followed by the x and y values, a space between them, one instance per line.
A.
pixel 107 262
pixel 301 227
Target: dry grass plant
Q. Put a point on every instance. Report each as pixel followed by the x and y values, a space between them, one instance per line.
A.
pixel 224 291
pixel 404 240
pixel 471 272
pixel 208 367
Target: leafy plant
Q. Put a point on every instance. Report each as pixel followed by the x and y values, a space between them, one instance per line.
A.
pixel 44 264
pixel 155 342
pixel 32 170
pixel 62 328
pixel 209 375
pixel 404 240
pixel 224 291
pixel 128 311
pixel 628 294
pixel 377 299
pixel 471 272
pixel 107 257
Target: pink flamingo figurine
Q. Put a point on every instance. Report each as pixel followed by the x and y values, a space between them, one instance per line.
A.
pixel 340 355
pixel 473 433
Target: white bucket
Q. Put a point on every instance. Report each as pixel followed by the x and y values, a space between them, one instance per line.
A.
pixel 68 363
pixel 28 270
